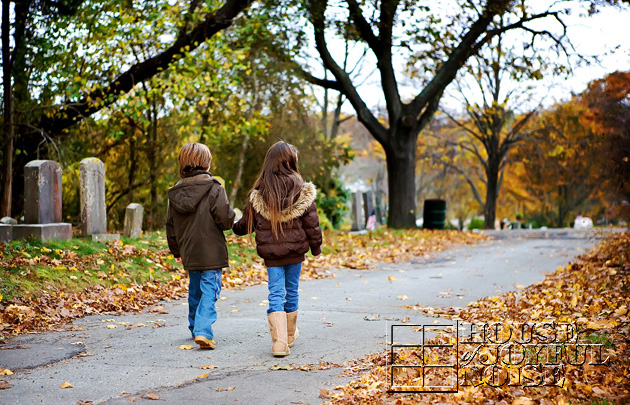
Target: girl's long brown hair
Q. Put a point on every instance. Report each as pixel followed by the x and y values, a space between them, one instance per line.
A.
pixel 279 179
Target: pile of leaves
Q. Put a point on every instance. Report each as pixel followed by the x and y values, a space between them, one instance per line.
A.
pixel 357 251
pixel 44 285
pixel 593 293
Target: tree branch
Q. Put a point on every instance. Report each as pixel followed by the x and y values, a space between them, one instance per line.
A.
pixel 460 54
pixel 100 98
pixel 316 10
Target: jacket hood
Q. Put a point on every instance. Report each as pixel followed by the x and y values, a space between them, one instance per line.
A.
pixel 189 191
pixel 305 199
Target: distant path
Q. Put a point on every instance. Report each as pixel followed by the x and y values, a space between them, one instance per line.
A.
pixel 127 363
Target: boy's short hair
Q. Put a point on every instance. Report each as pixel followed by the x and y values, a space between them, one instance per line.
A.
pixel 193 156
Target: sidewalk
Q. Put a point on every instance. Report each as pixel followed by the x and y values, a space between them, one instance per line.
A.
pixel 115 365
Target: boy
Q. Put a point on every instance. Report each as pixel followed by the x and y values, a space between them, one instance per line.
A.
pixel 198 213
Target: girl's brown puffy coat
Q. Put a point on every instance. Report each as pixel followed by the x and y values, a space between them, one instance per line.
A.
pixel 300 226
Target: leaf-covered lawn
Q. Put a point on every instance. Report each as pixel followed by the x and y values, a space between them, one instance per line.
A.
pixel 593 292
pixel 47 284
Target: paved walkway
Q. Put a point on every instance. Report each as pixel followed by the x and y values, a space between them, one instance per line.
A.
pixel 113 365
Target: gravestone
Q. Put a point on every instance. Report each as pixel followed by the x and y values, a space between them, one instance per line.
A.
pixel 358 219
pixel 93 209
pixel 368 204
pixel 133 220
pixel 42 192
pixel 378 208
pixel 42 203
pixel 6 229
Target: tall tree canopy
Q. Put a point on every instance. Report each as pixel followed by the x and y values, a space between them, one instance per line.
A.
pixel 72 58
pixel 436 41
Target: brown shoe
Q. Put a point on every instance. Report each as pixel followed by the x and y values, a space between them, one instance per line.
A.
pixel 204 342
pixel 278 329
pixel 292 330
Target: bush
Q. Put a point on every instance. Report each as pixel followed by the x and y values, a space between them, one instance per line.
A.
pixel 332 202
pixel 475 223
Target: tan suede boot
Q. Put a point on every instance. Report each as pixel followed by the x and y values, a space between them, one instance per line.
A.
pixel 278 330
pixel 292 330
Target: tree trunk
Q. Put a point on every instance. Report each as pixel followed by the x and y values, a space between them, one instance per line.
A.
pixel 239 170
pixel 401 168
pixel 492 192
pixel 7 157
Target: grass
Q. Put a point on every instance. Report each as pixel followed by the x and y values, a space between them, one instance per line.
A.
pixel 30 266
pixel 602 338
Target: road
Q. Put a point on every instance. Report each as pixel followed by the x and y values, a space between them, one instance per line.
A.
pixel 114 359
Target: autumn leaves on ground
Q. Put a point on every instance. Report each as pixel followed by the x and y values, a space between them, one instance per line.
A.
pixel 47 284
pixel 593 292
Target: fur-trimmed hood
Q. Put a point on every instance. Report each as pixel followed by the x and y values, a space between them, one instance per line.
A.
pixel 295 210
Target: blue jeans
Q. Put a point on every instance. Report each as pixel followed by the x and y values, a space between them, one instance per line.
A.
pixel 203 292
pixel 283 287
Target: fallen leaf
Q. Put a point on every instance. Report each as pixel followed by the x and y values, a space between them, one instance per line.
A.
pixel 66 384
pixel 158 310
pixel 324 394
pixel 4 385
pixel 402 297
pixel 392 278
pixel 5 371
pixel 602 324
pixel 77 343
pixel 208 367
pixel 281 367
pixel 112 326
pixel 151 395
pixel 524 401
pixel 132 399
pixel 372 317
pixel 185 347
pixel 225 389
pixel 204 375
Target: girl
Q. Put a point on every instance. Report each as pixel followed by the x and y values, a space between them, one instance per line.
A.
pixel 281 209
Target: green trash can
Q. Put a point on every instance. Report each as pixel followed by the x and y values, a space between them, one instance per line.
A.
pixel 434 214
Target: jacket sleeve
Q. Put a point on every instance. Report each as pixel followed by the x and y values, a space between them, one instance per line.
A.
pixel 221 211
pixel 310 223
pixel 240 227
pixel 171 238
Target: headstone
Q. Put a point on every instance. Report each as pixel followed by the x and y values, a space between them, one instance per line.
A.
pixel 6 229
pixel 358 221
pixel 6 232
pixel 43 231
pixel 92 192
pixel 133 220
pixel 368 204
pixel 42 203
pixel 380 217
pixel 42 192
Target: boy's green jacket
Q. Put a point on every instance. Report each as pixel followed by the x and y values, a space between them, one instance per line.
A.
pixel 198 213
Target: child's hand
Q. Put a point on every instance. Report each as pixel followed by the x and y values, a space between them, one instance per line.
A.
pixel 178 260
